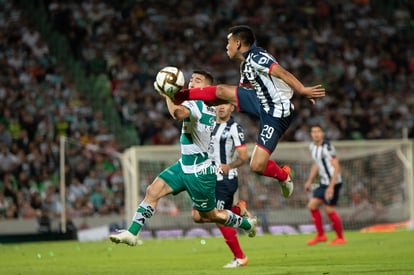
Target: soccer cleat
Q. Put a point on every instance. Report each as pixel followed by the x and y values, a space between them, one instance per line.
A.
pixel 124 236
pixel 243 209
pixel 287 185
pixel 317 239
pixel 337 241
pixel 236 262
pixel 253 222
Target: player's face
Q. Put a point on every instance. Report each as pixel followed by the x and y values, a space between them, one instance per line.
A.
pixel 232 47
pixel 317 135
pixel 197 81
pixel 223 111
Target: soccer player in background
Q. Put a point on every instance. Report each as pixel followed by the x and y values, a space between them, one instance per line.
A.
pixel 265 91
pixel 193 172
pixel 325 164
pixel 228 150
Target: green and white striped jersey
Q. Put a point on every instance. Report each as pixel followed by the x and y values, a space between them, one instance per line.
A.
pixel 195 136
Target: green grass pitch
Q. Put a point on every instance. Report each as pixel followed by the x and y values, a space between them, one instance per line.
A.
pixel 365 253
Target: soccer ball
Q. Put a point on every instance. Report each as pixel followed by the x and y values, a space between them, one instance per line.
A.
pixel 169 80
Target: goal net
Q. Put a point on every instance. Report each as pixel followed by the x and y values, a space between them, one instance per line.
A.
pixel 377 187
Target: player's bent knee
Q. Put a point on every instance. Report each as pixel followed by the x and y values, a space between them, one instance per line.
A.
pixel 196 216
pixel 220 91
pixel 198 220
pixel 313 205
pixel 257 168
pixel 225 92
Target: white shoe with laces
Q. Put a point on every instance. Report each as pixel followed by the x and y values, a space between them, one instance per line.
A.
pixel 124 236
pixel 236 262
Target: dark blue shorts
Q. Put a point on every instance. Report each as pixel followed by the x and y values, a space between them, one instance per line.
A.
pixel 271 128
pixel 225 190
pixel 319 193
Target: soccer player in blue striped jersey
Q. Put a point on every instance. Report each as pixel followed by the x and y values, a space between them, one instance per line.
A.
pixel 193 172
pixel 229 151
pixel 325 164
pixel 265 92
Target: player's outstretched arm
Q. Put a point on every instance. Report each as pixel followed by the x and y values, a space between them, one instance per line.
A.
pixel 310 92
pixel 313 92
pixel 178 112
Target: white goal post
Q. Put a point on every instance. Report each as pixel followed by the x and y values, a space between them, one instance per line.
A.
pixel 377 187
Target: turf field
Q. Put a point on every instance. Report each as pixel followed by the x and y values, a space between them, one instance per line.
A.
pixel 365 253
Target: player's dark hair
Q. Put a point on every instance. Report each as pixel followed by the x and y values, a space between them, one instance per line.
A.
pixel 316 125
pixel 207 75
pixel 244 33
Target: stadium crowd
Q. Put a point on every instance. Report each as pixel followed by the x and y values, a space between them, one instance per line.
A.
pixel 362 52
pixel 38 104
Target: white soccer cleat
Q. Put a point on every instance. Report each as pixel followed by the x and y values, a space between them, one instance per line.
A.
pixel 287 185
pixel 236 262
pixel 124 236
pixel 253 222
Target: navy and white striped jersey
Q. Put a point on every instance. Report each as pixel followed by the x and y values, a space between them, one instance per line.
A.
pixel 226 137
pixel 273 93
pixel 323 155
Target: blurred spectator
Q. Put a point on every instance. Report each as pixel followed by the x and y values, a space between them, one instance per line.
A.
pixel 5 136
pixel 8 161
pixel 321 48
pixel 167 206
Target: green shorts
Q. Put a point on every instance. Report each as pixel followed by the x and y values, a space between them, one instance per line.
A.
pixel 200 187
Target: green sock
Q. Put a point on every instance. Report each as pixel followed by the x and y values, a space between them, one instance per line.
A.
pixel 144 212
pixel 245 224
pixel 134 228
pixel 237 221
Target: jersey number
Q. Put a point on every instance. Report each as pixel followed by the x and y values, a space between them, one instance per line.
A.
pixel 220 205
pixel 267 132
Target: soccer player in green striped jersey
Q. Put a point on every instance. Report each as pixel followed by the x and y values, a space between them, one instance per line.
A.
pixel 193 172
